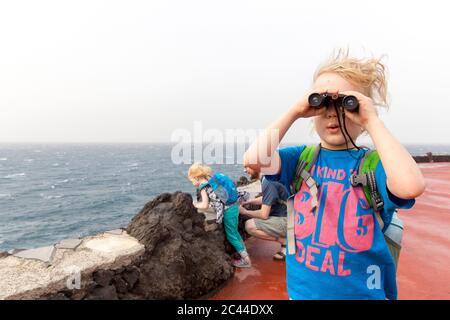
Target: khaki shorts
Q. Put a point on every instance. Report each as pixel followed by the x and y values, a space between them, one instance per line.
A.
pixel 274 226
pixel 394 248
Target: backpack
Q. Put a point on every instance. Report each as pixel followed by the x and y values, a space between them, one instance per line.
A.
pixel 365 178
pixel 224 188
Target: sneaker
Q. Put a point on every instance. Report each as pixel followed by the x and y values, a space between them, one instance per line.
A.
pixel 280 255
pixel 242 263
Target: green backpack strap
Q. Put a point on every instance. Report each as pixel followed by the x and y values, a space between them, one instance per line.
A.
pixel 305 162
pixel 366 178
pixel 302 173
pixel 393 233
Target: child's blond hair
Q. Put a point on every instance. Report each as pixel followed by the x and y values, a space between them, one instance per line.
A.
pixel 198 170
pixel 369 73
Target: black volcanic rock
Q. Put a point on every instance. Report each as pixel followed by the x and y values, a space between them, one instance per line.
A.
pixel 181 259
pixel 103 277
pixel 103 293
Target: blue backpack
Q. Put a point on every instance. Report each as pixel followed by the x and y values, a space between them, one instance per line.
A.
pixel 224 188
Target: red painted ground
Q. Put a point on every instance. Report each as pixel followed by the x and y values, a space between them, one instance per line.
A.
pixel 424 264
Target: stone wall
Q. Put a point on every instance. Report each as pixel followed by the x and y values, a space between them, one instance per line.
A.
pixel 429 157
pixel 67 269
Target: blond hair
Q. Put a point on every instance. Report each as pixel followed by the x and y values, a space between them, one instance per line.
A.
pixel 369 73
pixel 198 170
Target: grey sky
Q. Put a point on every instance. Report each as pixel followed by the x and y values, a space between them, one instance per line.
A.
pixel 134 71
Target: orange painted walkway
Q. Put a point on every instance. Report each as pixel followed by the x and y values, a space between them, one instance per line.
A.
pixel 424 266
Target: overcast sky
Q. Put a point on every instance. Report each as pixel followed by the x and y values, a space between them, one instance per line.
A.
pixel 134 71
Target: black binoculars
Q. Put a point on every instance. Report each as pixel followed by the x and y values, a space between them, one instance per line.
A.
pixel 317 101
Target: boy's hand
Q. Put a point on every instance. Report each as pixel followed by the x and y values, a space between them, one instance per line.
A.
pixel 366 111
pixel 302 109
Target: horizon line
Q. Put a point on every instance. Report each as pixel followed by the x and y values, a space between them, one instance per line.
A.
pixel 170 142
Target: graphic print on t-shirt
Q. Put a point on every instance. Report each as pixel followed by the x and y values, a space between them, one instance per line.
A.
pixel 347 226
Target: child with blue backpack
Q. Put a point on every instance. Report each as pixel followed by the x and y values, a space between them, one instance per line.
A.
pixel 343 196
pixel 220 192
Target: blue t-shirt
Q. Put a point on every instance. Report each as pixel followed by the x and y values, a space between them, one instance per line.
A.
pixel 340 248
pixel 274 192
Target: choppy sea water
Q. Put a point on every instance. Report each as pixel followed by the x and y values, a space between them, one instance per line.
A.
pixel 56 191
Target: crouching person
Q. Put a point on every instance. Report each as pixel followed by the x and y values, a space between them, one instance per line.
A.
pixel 220 193
pixel 269 222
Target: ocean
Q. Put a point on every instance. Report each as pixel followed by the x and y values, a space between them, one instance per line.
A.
pixel 50 192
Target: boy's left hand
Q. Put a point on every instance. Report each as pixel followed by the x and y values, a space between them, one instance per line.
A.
pixel 366 111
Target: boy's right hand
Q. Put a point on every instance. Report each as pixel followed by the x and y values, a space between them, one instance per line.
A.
pixel 302 109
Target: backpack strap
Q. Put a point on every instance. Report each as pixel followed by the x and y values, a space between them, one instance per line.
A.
pixel 290 225
pixel 393 233
pixel 366 178
pixel 302 173
pixel 306 160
